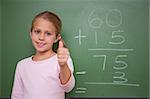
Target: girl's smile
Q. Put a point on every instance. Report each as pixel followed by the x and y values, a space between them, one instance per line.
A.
pixel 40 44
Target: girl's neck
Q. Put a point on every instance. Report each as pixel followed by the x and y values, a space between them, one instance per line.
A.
pixel 42 56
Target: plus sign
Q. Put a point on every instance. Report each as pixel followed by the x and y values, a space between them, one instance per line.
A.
pixel 79 36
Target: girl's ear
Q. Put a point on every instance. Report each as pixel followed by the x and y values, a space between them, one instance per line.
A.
pixel 56 40
pixel 58 37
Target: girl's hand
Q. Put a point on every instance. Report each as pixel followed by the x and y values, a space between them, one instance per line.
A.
pixel 62 54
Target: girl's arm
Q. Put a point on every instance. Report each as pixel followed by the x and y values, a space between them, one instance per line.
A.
pixel 66 68
pixel 66 76
pixel 17 90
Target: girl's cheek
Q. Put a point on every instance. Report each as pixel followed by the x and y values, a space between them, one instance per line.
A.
pixel 54 38
pixel 33 37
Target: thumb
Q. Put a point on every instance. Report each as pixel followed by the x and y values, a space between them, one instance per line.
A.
pixel 61 44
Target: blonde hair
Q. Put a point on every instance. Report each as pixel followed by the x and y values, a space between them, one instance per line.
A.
pixel 51 17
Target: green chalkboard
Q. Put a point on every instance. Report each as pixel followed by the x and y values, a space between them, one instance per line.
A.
pixel 108 41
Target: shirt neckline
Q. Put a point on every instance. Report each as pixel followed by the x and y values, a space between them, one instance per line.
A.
pixel 42 61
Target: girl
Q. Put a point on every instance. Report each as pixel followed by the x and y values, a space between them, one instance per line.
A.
pixel 47 74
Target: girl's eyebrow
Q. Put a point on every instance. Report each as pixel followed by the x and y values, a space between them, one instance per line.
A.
pixel 44 31
pixel 50 32
pixel 36 29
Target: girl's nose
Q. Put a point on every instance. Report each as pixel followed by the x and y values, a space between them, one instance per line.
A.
pixel 41 37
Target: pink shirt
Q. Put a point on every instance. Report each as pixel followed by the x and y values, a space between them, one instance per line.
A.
pixel 40 79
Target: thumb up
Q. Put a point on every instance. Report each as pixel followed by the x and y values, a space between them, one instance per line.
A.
pixel 61 44
pixel 62 54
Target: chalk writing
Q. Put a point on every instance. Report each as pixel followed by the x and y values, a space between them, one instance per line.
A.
pixel 116 36
pixel 112 83
pixel 80 72
pixel 120 78
pixel 117 39
pixel 121 64
pixel 96 41
pixel 95 22
pixel 104 62
pixel 80 90
pixel 80 36
pixel 118 15
pixel 109 49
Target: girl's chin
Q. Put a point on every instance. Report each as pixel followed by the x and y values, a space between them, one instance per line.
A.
pixel 43 51
pixel 40 50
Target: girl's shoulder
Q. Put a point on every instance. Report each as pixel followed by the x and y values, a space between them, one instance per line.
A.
pixel 25 60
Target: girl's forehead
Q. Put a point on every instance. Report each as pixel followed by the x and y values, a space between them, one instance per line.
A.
pixel 42 20
pixel 43 23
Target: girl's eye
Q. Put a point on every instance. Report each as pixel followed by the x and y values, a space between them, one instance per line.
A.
pixel 48 33
pixel 36 31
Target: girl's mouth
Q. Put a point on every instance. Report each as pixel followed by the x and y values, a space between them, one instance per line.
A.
pixel 40 44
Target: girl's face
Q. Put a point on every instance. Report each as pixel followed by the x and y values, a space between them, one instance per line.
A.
pixel 43 35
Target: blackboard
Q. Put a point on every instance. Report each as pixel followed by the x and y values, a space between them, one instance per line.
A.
pixel 108 41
